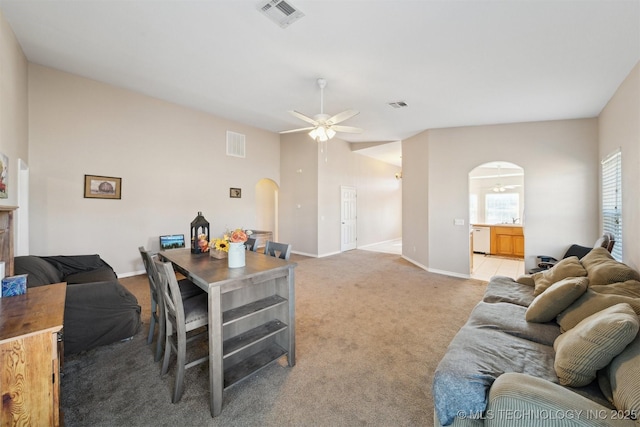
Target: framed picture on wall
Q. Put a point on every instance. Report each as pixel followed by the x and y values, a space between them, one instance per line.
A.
pixel 4 163
pixel 102 187
pixel 235 193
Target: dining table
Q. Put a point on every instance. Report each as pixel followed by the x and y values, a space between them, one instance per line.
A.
pixel 251 314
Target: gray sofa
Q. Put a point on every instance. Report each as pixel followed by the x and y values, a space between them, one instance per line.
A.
pixel 559 347
pixel 98 309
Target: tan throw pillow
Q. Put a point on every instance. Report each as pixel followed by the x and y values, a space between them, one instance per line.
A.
pixel 591 345
pixel 589 303
pixel 546 306
pixel 624 376
pixel 567 267
pixel 602 269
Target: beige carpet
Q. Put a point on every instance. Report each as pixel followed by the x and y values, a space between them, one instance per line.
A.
pixel 370 330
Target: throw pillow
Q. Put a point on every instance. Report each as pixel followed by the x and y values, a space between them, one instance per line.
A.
pixel 546 306
pixel 589 303
pixel 591 345
pixel 624 376
pixel 567 267
pixel 602 269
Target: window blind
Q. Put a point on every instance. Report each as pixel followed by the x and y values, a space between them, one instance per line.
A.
pixel 612 200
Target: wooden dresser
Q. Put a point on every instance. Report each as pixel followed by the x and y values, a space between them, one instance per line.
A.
pixel 30 354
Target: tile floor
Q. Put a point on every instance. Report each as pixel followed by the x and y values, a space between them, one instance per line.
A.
pixel 484 266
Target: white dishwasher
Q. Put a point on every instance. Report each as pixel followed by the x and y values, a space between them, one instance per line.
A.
pixel 481 239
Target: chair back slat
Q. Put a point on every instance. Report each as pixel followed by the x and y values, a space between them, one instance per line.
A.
pixel 278 250
pixel 152 273
pixel 251 244
pixel 170 291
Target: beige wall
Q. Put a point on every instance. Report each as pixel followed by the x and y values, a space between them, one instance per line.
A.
pixel 13 108
pixel 310 195
pixel 620 128
pixel 561 177
pixel 172 161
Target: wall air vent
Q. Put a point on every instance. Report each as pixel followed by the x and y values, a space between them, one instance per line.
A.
pixel 279 11
pixel 398 104
pixel 235 144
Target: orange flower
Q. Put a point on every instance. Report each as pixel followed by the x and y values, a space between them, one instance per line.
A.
pixel 238 236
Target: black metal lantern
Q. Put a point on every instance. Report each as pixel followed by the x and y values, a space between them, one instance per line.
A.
pixel 199 226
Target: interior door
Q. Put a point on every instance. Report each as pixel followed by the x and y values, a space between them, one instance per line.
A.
pixel 348 217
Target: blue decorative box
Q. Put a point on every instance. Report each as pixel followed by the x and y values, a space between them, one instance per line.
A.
pixel 14 285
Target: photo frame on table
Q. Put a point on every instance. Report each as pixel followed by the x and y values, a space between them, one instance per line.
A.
pixel 102 187
pixel 235 193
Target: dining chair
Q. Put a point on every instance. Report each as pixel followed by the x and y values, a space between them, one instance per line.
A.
pixel 187 290
pixel 278 250
pixel 251 244
pixel 181 317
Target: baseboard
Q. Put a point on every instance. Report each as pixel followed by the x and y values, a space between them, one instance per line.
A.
pixel 436 271
pixel 133 273
pixel 379 243
pixel 304 254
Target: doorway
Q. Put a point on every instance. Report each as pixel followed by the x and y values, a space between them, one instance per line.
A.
pixel 267 207
pixel 348 215
pixel 496 216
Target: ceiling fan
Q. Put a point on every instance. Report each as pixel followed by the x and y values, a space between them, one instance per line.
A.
pixel 324 126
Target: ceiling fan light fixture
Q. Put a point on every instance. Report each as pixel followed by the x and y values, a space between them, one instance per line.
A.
pixel 322 134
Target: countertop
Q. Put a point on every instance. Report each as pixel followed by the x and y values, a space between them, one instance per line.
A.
pixel 497 225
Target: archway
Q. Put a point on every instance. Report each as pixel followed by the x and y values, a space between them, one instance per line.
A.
pixel 267 206
pixel 496 216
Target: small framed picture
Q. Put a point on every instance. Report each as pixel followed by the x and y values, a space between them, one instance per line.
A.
pixel 235 193
pixel 102 187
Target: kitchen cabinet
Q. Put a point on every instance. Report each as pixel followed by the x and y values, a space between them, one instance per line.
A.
pixel 507 241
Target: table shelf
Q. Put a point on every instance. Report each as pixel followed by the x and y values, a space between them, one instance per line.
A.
pixel 250 365
pixel 251 337
pixel 254 307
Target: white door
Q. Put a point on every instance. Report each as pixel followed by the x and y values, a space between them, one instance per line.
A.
pixel 348 218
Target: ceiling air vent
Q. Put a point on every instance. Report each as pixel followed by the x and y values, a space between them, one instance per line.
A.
pixel 280 12
pixel 235 144
pixel 398 104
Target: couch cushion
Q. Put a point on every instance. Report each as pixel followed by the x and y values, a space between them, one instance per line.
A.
pixel 624 376
pixel 589 303
pixel 546 306
pixel 493 341
pixel 568 267
pixel 103 274
pixel 630 288
pixel 593 343
pixel 504 289
pixel 602 269
pixel 39 272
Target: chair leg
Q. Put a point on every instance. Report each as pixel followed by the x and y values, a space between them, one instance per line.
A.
pixel 182 354
pixel 167 356
pixel 152 322
pixel 161 333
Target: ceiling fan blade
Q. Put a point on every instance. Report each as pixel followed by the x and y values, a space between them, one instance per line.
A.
pixel 297 130
pixel 303 117
pixel 341 117
pixel 347 129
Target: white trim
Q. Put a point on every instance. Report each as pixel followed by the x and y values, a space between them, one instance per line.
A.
pixel 436 271
pixel 131 274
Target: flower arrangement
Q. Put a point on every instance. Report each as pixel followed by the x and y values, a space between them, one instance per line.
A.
pixel 235 236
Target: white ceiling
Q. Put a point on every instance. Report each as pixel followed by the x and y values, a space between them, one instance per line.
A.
pixel 455 63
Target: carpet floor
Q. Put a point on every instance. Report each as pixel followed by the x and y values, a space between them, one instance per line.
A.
pixel 370 331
